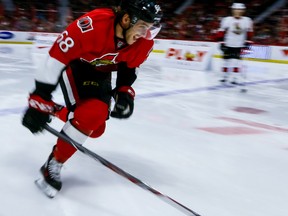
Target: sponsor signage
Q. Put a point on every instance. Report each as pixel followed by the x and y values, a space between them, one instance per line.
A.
pixel 6 35
pixel 194 55
pixel 280 53
pixel 258 52
pixel 184 54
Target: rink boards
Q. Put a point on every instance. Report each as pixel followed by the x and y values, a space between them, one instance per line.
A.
pixel 196 55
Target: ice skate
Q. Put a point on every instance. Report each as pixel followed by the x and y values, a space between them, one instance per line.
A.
pixel 50 182
pixel 222 80
pixel 234 82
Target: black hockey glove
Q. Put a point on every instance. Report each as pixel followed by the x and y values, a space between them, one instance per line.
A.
pixel 223 47
pixel 38 113
pixel 124 102
pixel 35 120
pixel 248 45
pixel 40 107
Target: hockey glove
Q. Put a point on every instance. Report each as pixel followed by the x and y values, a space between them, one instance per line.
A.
pixel 247 45
pixel 124 102
pixel 223 47
pixel 38 113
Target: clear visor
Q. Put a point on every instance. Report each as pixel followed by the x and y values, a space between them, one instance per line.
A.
pixel 146 30
pixel 153 31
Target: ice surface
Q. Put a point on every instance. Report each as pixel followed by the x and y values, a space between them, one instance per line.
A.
pixel 213 149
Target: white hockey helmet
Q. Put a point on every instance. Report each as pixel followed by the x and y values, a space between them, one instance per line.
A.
pixel 239 6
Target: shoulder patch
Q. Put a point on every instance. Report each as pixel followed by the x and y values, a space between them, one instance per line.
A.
pixel 85 24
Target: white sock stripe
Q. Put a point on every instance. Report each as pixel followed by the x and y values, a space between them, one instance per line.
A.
pixel 68 88
pixel 70 115
pixel 73 133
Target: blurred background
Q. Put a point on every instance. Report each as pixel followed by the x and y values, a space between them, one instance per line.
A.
pixel 185 20
pixel 209 146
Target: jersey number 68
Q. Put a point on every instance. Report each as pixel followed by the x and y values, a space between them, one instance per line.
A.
pixel 65 42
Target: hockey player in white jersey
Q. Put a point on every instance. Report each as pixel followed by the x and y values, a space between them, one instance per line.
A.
pixel 234 34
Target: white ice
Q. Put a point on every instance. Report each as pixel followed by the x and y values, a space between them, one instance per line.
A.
pixel 215 150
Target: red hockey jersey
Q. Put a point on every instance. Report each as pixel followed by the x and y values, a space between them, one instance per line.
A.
pixel 91 38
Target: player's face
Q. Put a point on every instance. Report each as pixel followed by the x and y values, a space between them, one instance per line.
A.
pixel 141 29
pixel 238 12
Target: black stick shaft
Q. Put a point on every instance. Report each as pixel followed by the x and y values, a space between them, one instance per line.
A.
pixel 121 172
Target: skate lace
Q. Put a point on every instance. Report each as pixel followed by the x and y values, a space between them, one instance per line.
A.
pixel 54 169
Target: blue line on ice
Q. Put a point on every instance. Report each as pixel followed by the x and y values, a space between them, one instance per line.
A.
pixel 18 110
pixel 207 88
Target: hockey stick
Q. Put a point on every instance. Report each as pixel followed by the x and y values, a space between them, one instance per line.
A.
pixel 121 172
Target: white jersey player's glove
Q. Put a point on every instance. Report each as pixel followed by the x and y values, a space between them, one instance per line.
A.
pixel 223 47
pixel 248 44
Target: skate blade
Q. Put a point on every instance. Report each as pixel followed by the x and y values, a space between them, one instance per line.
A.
pixel 47 189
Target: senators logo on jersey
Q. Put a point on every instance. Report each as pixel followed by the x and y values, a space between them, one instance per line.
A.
pixel 237 29
pixel 107 59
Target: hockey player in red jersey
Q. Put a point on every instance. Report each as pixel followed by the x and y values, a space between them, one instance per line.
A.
pixel 81 61
pixel 235 33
